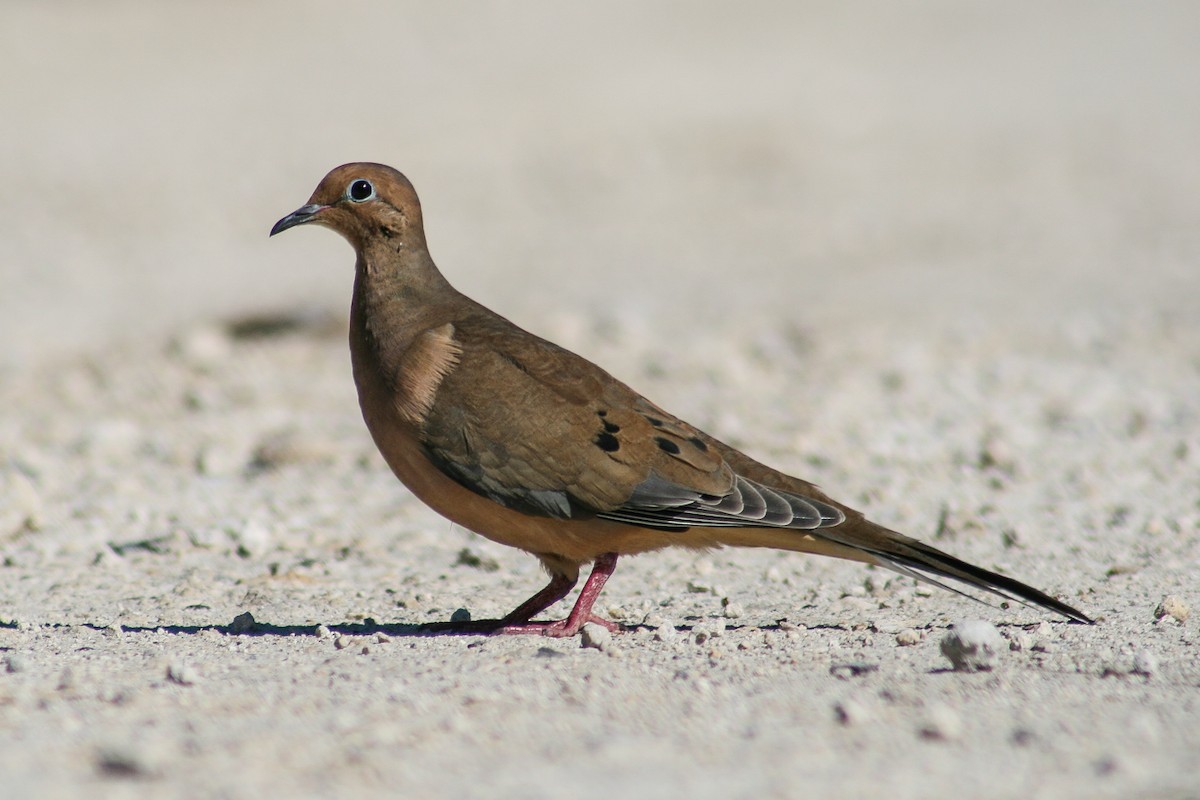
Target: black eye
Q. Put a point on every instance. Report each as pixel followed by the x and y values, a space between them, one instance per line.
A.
pixel 360 191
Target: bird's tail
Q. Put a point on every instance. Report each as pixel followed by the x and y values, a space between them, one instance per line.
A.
pixel 859 539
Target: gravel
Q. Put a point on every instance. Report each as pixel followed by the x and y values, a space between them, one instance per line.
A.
pixel 972 646
pixel 941 261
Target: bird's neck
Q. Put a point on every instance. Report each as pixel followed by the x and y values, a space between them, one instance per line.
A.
pixel 397 297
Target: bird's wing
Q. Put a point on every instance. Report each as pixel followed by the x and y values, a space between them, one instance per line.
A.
pixel 539 429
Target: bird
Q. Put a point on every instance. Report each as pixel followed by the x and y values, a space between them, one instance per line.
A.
pixel 533 446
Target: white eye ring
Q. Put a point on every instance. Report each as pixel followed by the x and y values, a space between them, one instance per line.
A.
pixel 360 191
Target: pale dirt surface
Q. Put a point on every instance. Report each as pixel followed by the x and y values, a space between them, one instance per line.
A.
pixel 943 261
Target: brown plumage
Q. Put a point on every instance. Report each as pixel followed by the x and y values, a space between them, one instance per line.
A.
pixel 532 446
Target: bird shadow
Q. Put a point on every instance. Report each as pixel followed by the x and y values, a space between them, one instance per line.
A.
pixel 265 629
pixel 368 627
pixel 262 629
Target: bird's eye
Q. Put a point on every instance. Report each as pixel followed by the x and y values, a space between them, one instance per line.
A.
pixel 360 191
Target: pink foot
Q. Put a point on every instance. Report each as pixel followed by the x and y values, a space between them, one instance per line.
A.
pixel 580 615
pixel 559 628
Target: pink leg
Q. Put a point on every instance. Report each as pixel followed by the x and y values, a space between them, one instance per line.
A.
pixel 580 614
pixel 557 589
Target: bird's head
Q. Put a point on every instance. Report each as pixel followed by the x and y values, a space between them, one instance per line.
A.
pixel 362 201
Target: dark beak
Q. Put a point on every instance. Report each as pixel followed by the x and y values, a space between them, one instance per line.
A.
pixel 300 216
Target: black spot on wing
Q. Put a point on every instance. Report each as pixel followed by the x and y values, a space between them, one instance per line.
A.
pixel 607 442
pixel 666 445
pixel 609 427
pixel 700 445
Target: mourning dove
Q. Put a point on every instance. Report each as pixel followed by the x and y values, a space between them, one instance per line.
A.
pixel 533 446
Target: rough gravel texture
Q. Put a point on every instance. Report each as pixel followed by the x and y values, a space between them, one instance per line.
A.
pixel 943 260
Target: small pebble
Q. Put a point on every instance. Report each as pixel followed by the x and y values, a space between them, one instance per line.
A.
pixel 856 604
pixel 1156 525
pixel 1019 642
pixel 207 538
pixel 286 447
pixel 909 637
pixel 253 538
pixel 943 723
pixel 242 623
pixel 595 636
pixel 850 712
pixel 181 673
pixel 996 453
pixel 342 641
pixel 665 630
pixel 322 632
pixel 845 672
pixel 1173 606
pixel 460 615
pixel 203 347
pixel 732 610
pixel 1023 737
pixel 14 663
pixel 469 558
pixel 1145 663
pixel 121 763
pixel 24 510
pixel 708 629
pixel 665 635
pixel 654 620
pixel 972 645
pixel 713 627
pixel 221 458
pixel 118 696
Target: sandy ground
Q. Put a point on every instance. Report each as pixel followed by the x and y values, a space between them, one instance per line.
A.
pixel 944 261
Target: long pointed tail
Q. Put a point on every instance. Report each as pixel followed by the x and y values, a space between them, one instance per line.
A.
pixel 916 559
pixel 859 539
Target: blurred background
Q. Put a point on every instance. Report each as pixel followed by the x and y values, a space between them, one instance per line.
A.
pixel 942 257
pixel 656 162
